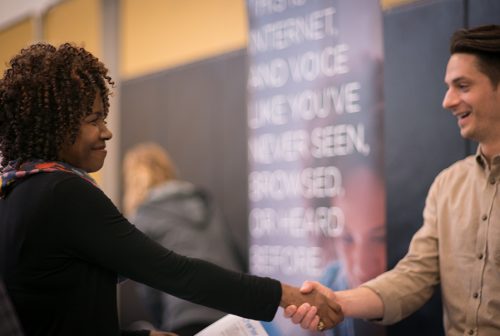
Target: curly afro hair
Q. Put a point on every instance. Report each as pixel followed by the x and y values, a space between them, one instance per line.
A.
pixel 44 95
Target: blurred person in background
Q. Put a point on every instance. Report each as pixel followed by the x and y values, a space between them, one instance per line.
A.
pixel 181 217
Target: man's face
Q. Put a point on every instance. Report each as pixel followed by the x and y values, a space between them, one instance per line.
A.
pixel 89 149
pixel 472 99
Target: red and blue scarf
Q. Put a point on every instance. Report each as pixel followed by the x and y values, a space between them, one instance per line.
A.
pixel 16 171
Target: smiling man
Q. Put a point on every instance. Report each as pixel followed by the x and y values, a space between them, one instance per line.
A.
pixel 458 245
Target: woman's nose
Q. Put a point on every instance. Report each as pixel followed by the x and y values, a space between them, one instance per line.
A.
pixel 106 133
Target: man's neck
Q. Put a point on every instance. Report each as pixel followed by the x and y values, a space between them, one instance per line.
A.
pixel 490 151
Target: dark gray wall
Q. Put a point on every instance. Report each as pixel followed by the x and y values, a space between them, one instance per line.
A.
pixel 483 12
pixel 421 138
pixel 198 113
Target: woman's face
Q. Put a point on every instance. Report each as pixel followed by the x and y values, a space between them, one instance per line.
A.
pixel 89 149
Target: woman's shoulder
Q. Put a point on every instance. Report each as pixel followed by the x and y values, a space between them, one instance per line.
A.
pixel 61 183
pixel 57 178
pixel 43 180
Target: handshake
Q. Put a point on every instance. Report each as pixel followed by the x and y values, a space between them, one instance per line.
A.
pixel 313 306
pixel 316 307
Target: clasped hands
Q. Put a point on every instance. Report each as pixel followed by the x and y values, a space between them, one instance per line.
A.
pixel 313 306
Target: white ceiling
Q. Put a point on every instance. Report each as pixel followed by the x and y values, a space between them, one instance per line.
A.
pixel 12 11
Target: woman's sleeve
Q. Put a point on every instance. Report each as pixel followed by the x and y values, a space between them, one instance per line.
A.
pixel 94 230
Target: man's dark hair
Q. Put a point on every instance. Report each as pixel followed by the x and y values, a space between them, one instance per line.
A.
pixel 44 95
pixel 483 42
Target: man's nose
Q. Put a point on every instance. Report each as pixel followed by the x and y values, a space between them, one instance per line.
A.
pixel 450 99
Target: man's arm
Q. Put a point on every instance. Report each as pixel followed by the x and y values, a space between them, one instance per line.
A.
pixel 360 302
pixel 402 290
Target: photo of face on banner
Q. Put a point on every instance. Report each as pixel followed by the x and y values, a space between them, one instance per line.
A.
pixel 361 247
pixel 358 253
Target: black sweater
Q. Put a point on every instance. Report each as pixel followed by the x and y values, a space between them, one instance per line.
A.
pixel 63 243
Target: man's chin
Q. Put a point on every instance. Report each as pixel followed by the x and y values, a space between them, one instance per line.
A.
pixel 464 133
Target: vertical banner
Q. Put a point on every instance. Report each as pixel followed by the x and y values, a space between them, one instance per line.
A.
pixel 316 188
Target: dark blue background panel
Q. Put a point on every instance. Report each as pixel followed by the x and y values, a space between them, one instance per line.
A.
pixel 421 137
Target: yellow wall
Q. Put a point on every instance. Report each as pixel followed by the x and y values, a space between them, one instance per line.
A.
pixel 159 34
pixel 13 39
pixel 77 21
pixel 386 4
pixel 154 34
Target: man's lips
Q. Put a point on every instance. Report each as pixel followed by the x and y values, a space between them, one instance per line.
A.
pixel 462 118
pixel 465 115
pixel 462 115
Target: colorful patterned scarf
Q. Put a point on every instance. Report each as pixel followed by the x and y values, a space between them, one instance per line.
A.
pixel 15 172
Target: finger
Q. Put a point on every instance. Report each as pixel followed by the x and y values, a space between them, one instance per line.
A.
pixel 307 287
pixel 290 310
pixel 306 321
pixel 334 306
pixel 340 317
pixel 301 312
pixel 328 322
pixel 330 294
pixel 339 314
pixel 331 319
pixel 313 326
pixel 336 318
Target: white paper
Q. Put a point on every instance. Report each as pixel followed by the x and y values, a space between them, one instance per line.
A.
pixel 232 325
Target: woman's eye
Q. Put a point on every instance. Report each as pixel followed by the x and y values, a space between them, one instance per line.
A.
pixel 95 121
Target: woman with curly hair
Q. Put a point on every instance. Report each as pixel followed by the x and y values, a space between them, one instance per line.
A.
pixel 62 241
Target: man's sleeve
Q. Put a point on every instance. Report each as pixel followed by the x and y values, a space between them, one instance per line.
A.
pixel 411 283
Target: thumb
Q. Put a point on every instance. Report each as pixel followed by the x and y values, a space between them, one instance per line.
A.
pixel 290 310
pixel 307 287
